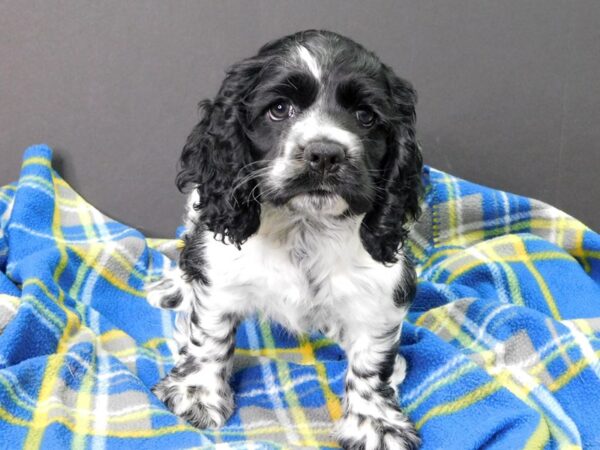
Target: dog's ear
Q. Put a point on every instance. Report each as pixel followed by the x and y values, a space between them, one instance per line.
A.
pixel 386 226
pixel 217 155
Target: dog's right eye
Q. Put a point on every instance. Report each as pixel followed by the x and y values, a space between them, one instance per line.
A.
pixel 281 110
pixel 366 117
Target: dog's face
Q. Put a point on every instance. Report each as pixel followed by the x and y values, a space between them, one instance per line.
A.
pixel 314 123
pixel 317 124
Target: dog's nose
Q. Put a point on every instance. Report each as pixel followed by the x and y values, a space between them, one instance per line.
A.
pixel 324 156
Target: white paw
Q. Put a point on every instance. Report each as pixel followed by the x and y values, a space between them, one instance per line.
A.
pixel 200 406
pixel 395 432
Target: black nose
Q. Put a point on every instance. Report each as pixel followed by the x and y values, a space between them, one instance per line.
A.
pixel 324 156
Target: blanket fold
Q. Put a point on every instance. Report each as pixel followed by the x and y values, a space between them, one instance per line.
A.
pixel 502 341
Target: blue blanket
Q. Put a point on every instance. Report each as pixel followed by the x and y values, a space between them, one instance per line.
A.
pixel 502 344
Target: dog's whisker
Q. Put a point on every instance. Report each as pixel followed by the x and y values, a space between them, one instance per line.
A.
pixel 256 174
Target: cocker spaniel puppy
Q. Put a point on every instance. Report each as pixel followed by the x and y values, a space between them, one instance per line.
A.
pixel 306 175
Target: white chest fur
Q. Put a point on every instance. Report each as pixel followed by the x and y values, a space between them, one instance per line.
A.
pixel 304 274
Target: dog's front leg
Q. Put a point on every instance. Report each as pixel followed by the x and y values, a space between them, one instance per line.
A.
pixel 372 417
pixel 197 388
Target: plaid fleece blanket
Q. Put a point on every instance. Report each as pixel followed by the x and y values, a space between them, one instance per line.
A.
pixel 502 344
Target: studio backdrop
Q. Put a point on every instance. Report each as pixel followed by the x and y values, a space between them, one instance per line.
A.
pixel 509 92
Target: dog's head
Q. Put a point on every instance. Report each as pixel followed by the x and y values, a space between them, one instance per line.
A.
pixel 314 123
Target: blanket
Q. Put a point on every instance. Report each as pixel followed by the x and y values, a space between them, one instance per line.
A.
pixel 502 341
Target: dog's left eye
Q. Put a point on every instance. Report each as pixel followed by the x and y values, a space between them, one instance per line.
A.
pixel 281 110
pixel 366 117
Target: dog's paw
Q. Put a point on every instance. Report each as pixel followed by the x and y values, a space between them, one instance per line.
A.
pixel 198 405
pixel 357 431
pixel 167 293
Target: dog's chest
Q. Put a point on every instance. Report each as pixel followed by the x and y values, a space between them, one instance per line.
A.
pixel 306 280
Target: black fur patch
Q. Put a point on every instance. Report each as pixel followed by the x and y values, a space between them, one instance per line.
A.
pixel 364 373
pixel 194 318
pixel 195 341
pixel 386 367
pixel 191 260
pixel 185 368
pixel 172 300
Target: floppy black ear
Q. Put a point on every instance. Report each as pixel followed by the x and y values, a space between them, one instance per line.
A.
pixel 216 156
pixel 386 226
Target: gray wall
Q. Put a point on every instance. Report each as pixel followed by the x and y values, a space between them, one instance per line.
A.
pixel 509 91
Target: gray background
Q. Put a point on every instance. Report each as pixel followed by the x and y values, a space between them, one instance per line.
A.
pixel 509 91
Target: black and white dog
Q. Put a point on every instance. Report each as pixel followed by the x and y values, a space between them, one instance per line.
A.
pixel 306 170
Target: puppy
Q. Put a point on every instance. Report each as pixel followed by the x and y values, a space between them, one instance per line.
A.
pixel 305 176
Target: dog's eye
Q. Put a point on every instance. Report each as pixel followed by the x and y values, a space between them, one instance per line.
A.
pixel 281 110
pixel 365 117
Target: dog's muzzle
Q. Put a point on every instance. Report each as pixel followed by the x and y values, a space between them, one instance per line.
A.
pixel 324 157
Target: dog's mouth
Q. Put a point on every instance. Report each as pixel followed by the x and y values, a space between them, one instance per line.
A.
pixel 320 193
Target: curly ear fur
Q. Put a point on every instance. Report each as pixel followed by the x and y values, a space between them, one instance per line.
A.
pixel 386 226
pixel 216 156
